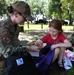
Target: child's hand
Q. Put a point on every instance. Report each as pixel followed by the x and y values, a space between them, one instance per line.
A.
pixel 53 46
pixel 33 48
pixel 39 43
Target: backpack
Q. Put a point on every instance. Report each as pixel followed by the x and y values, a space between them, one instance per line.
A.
pixel 44 60
pixel 19 63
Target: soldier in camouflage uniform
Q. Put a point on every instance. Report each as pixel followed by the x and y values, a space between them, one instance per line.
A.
pixel 9 29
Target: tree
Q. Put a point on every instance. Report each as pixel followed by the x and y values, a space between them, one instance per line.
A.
pixel 37 6
pixel 68 8
pixel 8 2
pixel 54 8
pixel 2 7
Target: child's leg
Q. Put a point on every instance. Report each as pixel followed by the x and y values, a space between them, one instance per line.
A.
pixel 61 54
pixel 57 51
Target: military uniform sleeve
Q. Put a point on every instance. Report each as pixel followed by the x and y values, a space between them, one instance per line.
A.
pixel 8 42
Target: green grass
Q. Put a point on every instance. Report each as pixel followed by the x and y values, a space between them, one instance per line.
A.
pixel 70 72
pixel 44 27
pixel 68 28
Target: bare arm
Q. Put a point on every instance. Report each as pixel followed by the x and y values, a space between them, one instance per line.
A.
pixel 66 43
pixel 39 43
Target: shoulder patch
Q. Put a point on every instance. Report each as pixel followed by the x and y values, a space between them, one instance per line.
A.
pixel 5 39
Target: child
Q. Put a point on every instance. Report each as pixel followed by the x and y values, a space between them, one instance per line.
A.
pixel 56 39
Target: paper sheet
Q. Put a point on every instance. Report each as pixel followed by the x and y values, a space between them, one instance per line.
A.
pixel 36 54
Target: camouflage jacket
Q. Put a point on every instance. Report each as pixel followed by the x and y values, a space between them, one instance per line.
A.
pixel 8 37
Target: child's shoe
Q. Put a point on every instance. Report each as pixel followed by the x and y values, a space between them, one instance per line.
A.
pixel 60 64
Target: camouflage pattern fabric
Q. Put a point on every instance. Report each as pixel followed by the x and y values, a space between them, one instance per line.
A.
pixel 8 37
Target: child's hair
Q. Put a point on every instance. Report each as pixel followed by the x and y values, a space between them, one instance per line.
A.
pixel 56 24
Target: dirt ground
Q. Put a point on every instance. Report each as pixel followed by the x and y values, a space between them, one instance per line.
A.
pixel 31 36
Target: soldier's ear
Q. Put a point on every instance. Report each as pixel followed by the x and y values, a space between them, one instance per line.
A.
pixel 16 13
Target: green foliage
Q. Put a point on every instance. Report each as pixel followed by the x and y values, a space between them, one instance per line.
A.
pixel 68 5
pixel 8 2
pixel 37 6
pixel 60 9
pixel 68 9
pixel 2 7
pixel 55 8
